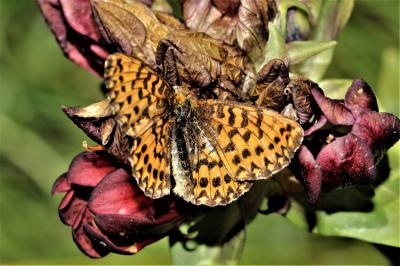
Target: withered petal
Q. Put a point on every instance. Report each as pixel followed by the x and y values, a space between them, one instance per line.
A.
pixel 311 174
pixel 379 130
pixel 227 6
pixel 334 110
pixel 93 120
pixel 199 15
pixel 112 17
pixel 251 31
pixel 360 97
pixel 88 168
pixel 348 160
pixel 118 194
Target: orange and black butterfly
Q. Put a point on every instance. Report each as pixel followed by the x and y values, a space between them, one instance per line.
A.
pixel 206 151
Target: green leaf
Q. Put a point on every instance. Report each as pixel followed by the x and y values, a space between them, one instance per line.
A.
pixel 388 83
pixel 316 66
pixel 275 47
pixel 335 88
pixel 299 51
pixel 273 240
pixel 283 7
pixel 332 18
pixel 297 215
pixel 216 235
pixel 378 226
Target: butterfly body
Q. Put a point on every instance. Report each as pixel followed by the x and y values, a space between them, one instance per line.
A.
pixel 206 151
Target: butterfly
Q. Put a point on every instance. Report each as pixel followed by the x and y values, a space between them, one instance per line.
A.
pixel 209 152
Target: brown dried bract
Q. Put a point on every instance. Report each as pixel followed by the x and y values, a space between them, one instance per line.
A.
pixel 204 62
pixel 169 20
pixel 98 122
pixel 243 21
pixel 132 27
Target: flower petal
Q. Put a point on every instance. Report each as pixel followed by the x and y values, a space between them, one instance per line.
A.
pixel 88 168
pixel 79 17
pixel 66 200
pixel 379 130
pixel 347 160
pixel 320 123
pixel 119 226
pixel 95 120
pixel 311 174
pixel 122 228
pixel 98 237
pixel 91 248
pixel 73 26
pixel 117 194
pixel 61 185
pixel 71 213
pixel 359 97
pixel 334 110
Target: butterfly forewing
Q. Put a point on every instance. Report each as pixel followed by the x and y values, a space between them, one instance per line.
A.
pixel 140 101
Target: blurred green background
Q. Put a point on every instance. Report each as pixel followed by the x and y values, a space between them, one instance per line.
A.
pixel 38 142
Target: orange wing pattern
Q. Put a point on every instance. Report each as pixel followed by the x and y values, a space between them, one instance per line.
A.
pixel 253 142
pixel 230 146
pixel 208 181
pixel 140 101
pixel 214 156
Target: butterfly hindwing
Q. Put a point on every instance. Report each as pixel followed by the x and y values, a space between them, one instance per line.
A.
pixel 253 142
pixel 139 98
pixel 208 182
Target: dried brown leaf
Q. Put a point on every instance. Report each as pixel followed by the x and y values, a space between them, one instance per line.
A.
pixel 132 26
pixel 203 61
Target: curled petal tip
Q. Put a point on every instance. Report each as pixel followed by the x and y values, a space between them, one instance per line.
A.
pixel 60 185
pixel 380 130
pixel 334 110
pixel 360 97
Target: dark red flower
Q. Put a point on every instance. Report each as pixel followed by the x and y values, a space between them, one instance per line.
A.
pixel 344 146
pixel 108 212
pixel 72 23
